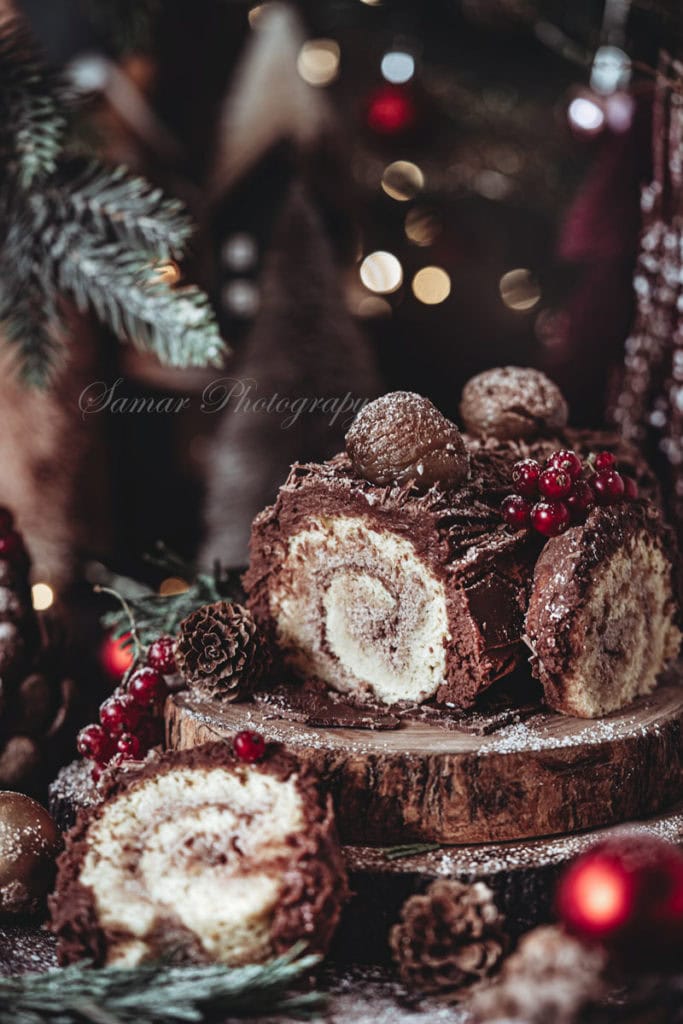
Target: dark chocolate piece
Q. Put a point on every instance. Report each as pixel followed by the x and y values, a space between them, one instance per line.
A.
pixel 402 437
pixel 513 403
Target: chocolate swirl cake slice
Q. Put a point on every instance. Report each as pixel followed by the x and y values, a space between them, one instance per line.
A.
pixel 385 593
pixel 602 617
pixel 198 857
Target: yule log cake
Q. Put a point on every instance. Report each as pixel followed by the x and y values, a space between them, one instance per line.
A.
pixel 395 573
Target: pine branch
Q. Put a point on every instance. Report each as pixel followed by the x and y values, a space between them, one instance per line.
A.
pixel 155 615
pixel 123 288
pixel 32 126
pixel 116 205
pixel 158 994
pixel 30 329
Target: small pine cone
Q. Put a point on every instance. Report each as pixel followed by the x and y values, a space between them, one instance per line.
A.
pixel 449 938
pixel 219 652
pixel 550 977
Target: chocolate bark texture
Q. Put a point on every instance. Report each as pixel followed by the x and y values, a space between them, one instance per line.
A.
pixel 603 620
pixel 266 880
pixel 387 594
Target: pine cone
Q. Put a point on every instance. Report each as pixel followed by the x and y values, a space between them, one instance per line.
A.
pixel 550 977
pixel 218 651
pixel 448 938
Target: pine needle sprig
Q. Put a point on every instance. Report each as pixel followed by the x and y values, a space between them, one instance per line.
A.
pixel 93 233
pixel 119 205
pixel 157 615
pixel 32 123
pixel 124 289
pixel 158 994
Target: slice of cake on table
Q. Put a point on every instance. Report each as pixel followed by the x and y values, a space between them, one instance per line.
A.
pixel 199 857
pixel 392 572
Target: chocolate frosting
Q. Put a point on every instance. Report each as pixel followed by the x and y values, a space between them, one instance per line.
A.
pixel 565 572
pixel 459 535
pixel 315 883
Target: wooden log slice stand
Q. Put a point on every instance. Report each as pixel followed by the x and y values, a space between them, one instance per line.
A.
pixel 431 782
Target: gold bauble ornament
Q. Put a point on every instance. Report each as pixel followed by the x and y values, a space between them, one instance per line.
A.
pixel 29 844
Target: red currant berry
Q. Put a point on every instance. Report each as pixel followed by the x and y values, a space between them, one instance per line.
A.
pixel 516 512
pixel 12 546
pixel 96 772
pixel 93 742
pixel 146 687
pixel 525 476
pixel 608 487
pixel 567 461
pixel 550 518
pixel 603 460
pixel 128 746
pixel 554 483
pixel 161 655
pixel 119 714
pixel 630 488
pixel 579 501
pixel 249 746
pixel 6 521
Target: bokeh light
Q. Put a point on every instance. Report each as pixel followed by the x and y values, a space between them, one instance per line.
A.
pixel 42 596
pixel 373 306
pixel 431 285
pixel 611 70
pixel 586 115
pixel 398 67
pixel 381 272
pixel 402 180
pixel 519 289
pixel 239 251
pixel 167 272
pixel 318 61
pixel 173 585
pixel 422 226
pixel 241 297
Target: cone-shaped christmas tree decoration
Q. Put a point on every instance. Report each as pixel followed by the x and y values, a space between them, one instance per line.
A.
pixel 649 410
pixel 34 701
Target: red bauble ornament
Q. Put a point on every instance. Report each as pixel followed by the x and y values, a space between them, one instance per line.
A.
pixel 391 110
pixel 516 512
pixel 525 476
pixel 115 658
pixel 249 746
pixel 147 687
pixel 161 655
pixel 627 893
pixel 550 518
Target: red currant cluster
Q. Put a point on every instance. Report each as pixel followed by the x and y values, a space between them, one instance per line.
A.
pixel 12 547
pixel 130 722
pixel 552 497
